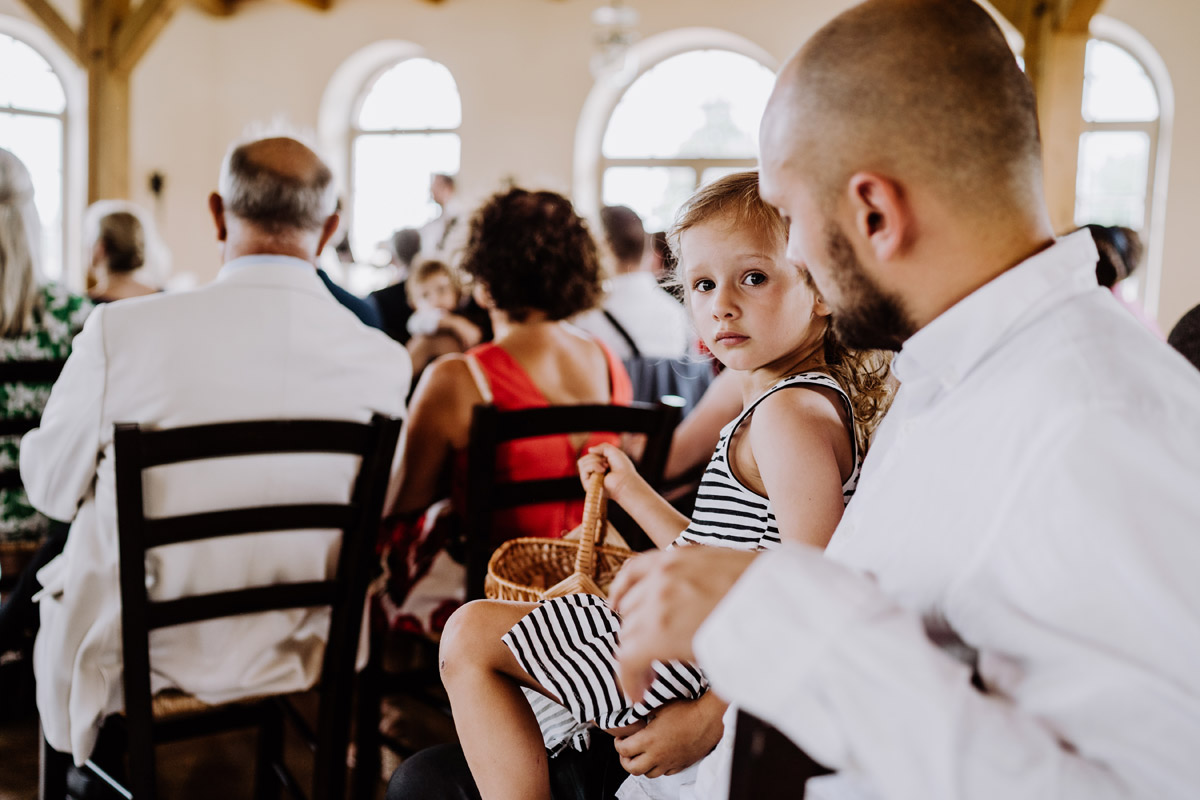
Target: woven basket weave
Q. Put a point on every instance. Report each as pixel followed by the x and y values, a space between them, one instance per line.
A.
pixel 533 569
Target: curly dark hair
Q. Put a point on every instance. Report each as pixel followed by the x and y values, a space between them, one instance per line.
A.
pixel 532 252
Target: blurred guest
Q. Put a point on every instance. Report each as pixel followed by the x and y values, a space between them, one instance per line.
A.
pixel 1121 252
pixel 118 256
pixel 38 320
pixel 435 327
pixel 638 317
pixel 1185 336
pixel 392 301
pixel 442 238
pixel 534 265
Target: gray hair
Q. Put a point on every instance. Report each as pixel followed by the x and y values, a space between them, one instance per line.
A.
pixel 275 202
pixel 20 233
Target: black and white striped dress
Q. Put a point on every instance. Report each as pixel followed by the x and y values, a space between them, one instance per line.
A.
pixel 569 644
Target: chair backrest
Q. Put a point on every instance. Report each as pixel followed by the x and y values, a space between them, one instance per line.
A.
pixel 491 427
pixel 34 372
pixel 139 449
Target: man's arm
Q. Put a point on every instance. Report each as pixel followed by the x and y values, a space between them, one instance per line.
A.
pixel 1086 621
pixel 58 459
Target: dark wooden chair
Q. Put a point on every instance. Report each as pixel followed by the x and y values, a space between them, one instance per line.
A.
pixel 766 764
pixel 148 720
pixel 15 556
pixel 491 428
pixel 652 424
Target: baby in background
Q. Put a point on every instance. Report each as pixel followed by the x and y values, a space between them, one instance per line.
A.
pixel 434 294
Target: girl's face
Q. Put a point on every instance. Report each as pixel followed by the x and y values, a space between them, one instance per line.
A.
pixel 436 291
pixel 751 308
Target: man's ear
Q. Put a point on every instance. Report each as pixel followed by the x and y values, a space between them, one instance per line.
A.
pixel 327 231
pixel 882 214
pixel 216 207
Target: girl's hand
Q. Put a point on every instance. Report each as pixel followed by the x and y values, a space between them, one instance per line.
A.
pixel 609 459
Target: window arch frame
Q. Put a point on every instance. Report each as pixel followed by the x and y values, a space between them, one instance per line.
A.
pixel 602 100
pixel 73 119
pixel 347 90
pixel 1118 34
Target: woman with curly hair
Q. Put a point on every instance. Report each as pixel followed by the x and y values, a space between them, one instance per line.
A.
pixel 533 264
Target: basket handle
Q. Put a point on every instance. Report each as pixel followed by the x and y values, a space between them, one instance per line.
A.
pixel 593 524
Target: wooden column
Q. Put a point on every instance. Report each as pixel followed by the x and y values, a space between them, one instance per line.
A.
pixel 1056 35
pixel 109 44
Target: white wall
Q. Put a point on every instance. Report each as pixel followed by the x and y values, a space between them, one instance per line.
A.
pixel 522 69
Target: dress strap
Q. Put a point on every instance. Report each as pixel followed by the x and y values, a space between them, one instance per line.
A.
pixel 481 381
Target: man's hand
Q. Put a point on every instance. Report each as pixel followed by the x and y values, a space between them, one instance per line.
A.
pixel 663 598
pixel 677 736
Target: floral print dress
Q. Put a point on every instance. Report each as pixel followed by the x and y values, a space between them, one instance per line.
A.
pixel 58 318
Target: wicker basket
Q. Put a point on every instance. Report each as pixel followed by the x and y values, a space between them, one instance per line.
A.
pixel 533 569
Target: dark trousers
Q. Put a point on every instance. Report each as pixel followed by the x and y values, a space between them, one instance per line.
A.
pixel 441 773
pixel 18 613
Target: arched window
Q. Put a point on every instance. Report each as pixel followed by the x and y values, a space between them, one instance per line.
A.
pixel 404 129
pixel 33 121
pixel 1121 152
pixel 691 117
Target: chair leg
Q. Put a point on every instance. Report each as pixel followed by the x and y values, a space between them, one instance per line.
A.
pixel 267 782
pixel 52 773
pixel 366 727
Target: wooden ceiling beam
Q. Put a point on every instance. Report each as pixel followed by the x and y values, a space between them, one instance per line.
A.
pixel 53 22
pixel 139 30
pixel 217 8
pixel 1077 15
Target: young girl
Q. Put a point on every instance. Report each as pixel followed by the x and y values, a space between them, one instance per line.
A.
pixel 782 471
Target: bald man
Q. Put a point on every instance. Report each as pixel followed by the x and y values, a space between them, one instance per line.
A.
pixel 265 340
pixel 1029 514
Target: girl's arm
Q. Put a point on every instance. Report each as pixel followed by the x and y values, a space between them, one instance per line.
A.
pixel 798 440
pixel 439 422
pixel 696 437
pixel 629 490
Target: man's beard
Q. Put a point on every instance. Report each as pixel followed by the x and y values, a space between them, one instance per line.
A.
pixel 866 318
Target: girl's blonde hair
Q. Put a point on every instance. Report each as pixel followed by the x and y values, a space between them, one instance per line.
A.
pixel 19 232
pixel 864 374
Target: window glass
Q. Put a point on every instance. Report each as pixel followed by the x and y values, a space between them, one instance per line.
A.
pixel 1115 87
pixel 416 94
pixel 31 127
pixel 37 89
pixel 655 193
pixel 1111 182
pixel 702 103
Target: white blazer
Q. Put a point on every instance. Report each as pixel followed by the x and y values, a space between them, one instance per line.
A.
pixel 266 340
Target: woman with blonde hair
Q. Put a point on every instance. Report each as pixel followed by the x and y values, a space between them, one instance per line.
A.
pixel 38 320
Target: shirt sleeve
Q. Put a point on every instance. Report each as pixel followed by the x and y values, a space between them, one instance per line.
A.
pixel 59 458
pixel 1081 603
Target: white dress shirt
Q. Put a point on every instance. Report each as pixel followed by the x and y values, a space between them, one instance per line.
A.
pixel 265 340
pixel 1034 492
pixel 657 323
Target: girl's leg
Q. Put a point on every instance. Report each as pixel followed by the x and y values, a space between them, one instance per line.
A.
pixel 496 726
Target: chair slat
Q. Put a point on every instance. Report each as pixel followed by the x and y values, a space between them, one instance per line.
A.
pixel 309 594
pixel 221 440
pixel 30 371
pixel 10 479
pixel 531 422
pixel 260 519
pixel 18 426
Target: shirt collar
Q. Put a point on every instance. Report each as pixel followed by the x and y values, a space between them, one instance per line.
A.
pixel 951 345
pixel 242 262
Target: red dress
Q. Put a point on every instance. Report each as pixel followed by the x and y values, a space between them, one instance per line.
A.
pixel 424 585
pixel 534 459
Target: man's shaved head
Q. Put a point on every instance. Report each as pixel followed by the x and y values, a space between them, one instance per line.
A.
pixel 278 185
pixel 919 90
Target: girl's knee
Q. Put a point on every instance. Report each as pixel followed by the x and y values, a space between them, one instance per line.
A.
pixel 469 635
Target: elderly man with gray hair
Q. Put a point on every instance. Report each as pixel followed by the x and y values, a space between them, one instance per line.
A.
pixel 265 340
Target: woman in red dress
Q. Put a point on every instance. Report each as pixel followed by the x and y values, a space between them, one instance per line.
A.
pixel 533 264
